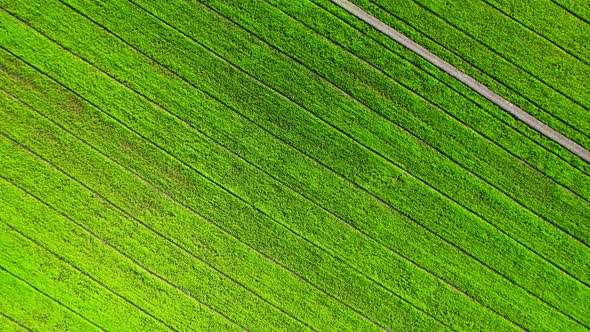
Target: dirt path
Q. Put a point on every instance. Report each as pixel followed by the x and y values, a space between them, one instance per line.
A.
pixel 467 80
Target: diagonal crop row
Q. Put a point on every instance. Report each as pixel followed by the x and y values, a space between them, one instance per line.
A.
pixel 362 34
pixel 27 303
pixel 463 107
pixel 224 251
pixel 528 51
pixel 120 273
pixel 282 238
pixel 570 35
pixel 463 50
pixel 55 277
pixel 131 158
pixel 576 8
pixel 12 325
pixel 180 269
pixel 459 144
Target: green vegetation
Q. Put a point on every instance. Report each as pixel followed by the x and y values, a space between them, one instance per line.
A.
pixel 536 75
pixel 187 166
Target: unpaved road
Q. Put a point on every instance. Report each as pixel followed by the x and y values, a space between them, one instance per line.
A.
pixel 467 80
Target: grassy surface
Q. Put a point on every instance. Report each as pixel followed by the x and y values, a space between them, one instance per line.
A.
pixel 501 53
pixel 215 164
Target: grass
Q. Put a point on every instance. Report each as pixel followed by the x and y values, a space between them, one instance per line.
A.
pixel 550 81
pixel 230 163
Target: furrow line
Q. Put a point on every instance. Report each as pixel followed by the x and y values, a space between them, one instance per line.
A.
pixel 489 140
pixel 50 163
pixel 571 12
pixel 536 33
pixel 48 296
pixel 368 237
pixel 494 78
pixel 219 185
pixel 349 137
pixel 68 262
pixel 169 196
pixel 15 321
pixel 336 173
pixel 503 57
pixel 462 94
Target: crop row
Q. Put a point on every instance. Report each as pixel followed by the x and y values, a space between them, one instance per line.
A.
pixel 576 8
pixel 554 24
pixel 29 229
pixel 458 45
pixel 188 232
pixel 451 140
pixel 26 304
pixel 466 105
pixel 162 88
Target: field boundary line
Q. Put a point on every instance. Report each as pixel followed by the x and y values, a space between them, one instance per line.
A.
pixel 262 212
pixel 60 258
pixel 469 99
pixel 214 182
pixel 580 17
pixel 468 34
pixel 49 296
pixel 221 58
pixel 353 140
pixel 120 211
pixel 185 164
pixel 526 27
pixel 317 117
pixel 361 144
pixel 339 130
pixel 494 78
pixel 466 79
pixel 452 159
pixel 15 321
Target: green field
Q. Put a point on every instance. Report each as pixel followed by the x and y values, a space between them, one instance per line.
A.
pixel 536 53
pixel 280 166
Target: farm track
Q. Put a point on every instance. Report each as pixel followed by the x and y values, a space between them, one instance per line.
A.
pixel 261 82
pixel 312 112
pixel 471 99
pixel 468 80
pixel 160 106
pixel 331 254
pixel 125 168
pixel 169 194
pixel 424 98
pixel 216 54
pixel 497 81
pixel 537 77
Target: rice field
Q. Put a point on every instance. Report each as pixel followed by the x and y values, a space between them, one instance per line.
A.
pixel 278 165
